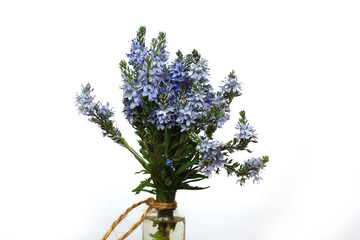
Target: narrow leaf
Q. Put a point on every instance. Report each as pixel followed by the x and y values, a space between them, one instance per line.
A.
pixel 142 185
pixel 186 166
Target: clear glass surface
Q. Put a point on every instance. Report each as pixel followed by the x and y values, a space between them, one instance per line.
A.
pixel 164 225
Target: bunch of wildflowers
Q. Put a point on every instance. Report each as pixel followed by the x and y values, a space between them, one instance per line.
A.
pixel 175 112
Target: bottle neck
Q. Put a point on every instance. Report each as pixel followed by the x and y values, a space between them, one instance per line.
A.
pixel 165 196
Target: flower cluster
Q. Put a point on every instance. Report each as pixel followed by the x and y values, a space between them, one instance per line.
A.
pixel 231 87
pixel 256 165
pixel 98 113
pixel 253 166
pixel 84 100
pixel 174 95
pixel 247 132
pixel 212 152
pixel 211 156
pixel 175 112
pixel 137 53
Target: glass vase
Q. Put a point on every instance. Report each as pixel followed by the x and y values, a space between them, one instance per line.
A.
pixel 164 224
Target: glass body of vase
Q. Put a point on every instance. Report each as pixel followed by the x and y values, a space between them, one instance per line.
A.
pixel 166 224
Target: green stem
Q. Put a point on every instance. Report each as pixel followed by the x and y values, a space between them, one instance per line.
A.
pixel 156 152
pixel 124 144
pixel 168 215
pixel 137 156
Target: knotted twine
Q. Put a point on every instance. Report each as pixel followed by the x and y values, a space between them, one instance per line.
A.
pixel 151 203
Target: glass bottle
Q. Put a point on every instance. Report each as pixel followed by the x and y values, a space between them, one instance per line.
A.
pixel 166 224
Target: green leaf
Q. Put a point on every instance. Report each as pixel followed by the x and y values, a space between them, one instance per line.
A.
pixel 140 36
pixel 142 185
pixel 157 236
pixel 265 159
pixel 149 191
pixel 183 137
pixel 167 140
pixel 195 175
pixel 188 152
pixel 142 162
pixel 194 180
pixel 184 154
pixel 188 187
pixel 186 166
pixel 175 146
pixel 144 153
pixel 142 171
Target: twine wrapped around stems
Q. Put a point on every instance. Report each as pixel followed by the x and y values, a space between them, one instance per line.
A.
pixel 151 203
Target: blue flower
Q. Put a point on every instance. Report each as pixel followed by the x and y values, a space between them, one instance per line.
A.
pixel 151 91
pixel 247 132
pixel 199 70
pixel 98 113
pixel 84 100
pixel 163 117
pixel 254 165
pixel 231 87
pixel 220 107
pixel 137 55
pixel 211 156
pixel 185 118
pixel 177 76
pixel 169 164
pixel 197 99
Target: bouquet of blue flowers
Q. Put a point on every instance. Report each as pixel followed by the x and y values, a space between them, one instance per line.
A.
pixel 175 112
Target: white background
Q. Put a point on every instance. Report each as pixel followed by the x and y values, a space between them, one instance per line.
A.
pixel 299 62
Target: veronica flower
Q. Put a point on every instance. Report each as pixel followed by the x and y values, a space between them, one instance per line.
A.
pixel 199 70
pixel 151 91
pixel 255 165
pixel 220 108
pixel 197 100
pixel 164 116
pixel 131 96
pixel 177 75
pixel 231 87
pixel 84 100
pixel 169 164
pixel 98 113
pixel 211 156
pixel 185 118
pixel 137 55
pixel 247 132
